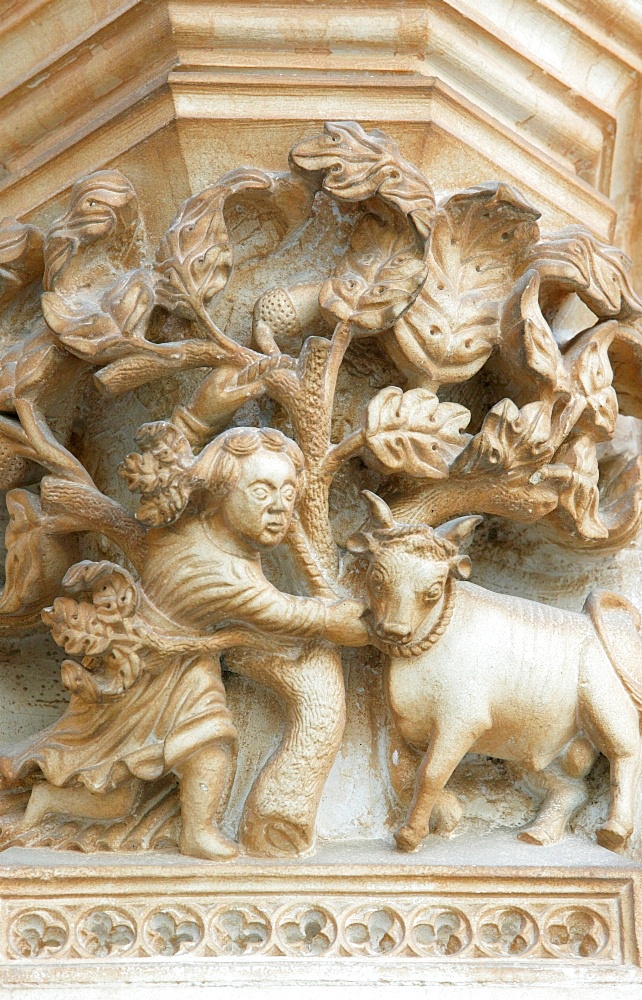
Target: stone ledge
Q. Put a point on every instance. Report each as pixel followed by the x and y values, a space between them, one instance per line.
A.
pixel 513 919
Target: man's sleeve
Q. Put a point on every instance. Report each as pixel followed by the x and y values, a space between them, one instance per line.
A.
pixel 260 604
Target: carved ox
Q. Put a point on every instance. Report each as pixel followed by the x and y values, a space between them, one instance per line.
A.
pixel 471 670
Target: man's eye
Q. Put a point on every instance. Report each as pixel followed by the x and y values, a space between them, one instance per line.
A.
pixel 259 493
pixel 288 494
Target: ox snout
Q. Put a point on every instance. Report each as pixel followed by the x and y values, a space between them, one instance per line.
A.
pixel 391 631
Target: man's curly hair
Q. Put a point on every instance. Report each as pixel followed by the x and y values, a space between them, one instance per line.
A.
pixel 168 474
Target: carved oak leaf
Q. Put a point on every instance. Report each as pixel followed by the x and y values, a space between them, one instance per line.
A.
pixel 620 509
pixel 504 470
pixel 573 259
pixel 114 594
pixel 107 676
pixel 37 557
pixel 74 625
pixel 110 331
pixel 413 433
pixel 158 472
pixel 103 217
pixel 581 498
pixel 102 630
pixel 621 498
pixel 509 438
pixel 534 364
pixel 194 258
pixel 358 164
pixel 78 681
pixel 476 249
pixel 21 257
pixel 379 278
pixel 528 350
pixel 587 361
pixel 625 356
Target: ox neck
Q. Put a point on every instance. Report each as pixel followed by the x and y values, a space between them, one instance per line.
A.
pixel 421 644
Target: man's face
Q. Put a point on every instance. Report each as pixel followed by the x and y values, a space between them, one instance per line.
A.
pixel 259 508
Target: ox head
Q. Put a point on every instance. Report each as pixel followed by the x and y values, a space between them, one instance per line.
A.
pixel 409 566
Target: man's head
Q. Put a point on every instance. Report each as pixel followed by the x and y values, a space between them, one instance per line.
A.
pixel 250 478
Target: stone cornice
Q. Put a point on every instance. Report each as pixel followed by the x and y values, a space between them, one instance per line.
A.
pixel 127 69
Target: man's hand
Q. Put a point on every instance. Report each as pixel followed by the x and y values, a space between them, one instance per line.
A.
pixel 213 402
pixel 345 624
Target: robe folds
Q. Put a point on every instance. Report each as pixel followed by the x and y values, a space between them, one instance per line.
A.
pixel 178 703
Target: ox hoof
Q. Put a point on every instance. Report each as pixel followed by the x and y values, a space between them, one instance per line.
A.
pixel 447 813
pixel 536 835
pixel 407 839
pixel 613 836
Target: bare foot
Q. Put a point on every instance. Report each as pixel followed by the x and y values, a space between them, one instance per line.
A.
pixel 209 844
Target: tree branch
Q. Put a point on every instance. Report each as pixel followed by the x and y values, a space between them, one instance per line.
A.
pixel 342 452
pixel 49 452
pixel 90 510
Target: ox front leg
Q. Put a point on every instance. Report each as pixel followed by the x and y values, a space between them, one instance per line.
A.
pixel 440 760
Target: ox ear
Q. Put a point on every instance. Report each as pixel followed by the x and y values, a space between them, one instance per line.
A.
pixel 359 543
pixel 379 510
pixel 460 530
pixel 461 567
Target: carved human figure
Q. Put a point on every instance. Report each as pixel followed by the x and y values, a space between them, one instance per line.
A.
pixel 471 670
pixel 252 478
pixel 202 572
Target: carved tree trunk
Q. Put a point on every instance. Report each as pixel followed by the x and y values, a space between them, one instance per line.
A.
pixel 280 811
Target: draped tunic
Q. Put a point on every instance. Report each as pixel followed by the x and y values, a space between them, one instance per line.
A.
pixel 179 706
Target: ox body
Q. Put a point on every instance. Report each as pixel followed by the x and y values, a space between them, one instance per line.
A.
pixel 473 670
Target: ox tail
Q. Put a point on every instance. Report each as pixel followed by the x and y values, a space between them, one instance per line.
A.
pixel 621 646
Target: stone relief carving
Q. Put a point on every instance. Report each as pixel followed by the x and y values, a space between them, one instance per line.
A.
pixel 450 357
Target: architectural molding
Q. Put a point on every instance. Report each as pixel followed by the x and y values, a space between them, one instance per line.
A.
pixel 138 67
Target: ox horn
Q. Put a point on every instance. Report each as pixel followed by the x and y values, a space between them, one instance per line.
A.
pixel 379 509
pixel 460 529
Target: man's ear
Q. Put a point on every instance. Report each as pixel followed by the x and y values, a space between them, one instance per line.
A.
pixel 359 543
pixel 459 530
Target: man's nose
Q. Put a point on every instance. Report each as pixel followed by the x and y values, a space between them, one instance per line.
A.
pixel 277 504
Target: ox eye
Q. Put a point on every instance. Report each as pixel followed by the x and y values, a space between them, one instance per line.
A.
pixel 433 592
pixel 376 582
